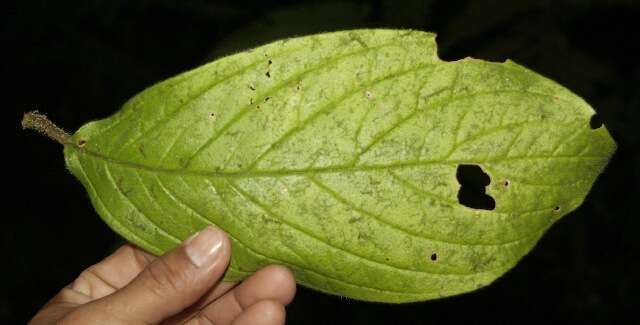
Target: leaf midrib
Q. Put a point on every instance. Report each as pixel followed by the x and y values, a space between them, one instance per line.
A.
pixel 308 171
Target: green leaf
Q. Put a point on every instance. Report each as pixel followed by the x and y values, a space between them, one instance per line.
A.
pixel 336 155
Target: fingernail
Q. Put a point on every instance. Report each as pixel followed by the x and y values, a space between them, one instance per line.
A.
pixel 204 247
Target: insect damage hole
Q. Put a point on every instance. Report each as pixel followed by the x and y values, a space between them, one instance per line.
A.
pixel 433 257
pixel 595 122
pixel 473 181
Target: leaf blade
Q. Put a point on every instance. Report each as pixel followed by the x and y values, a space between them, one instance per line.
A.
pixel 336 155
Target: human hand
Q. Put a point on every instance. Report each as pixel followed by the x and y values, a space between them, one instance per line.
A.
pixel 182 286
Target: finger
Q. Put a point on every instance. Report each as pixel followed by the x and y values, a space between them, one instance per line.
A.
pixel 123 265
pixel 273 282
pixel 172 282
pixel 99 280
pixel 218 290
pixel 111 274
pixel 266 312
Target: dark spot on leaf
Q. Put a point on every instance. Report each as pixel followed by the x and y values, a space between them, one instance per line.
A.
pixel 268 220
pixel 556 209
pixel 212 115
pixel 141 150
pixel 152 192
pixel 121 187
pixel 506 183
pixel 434 257
pixel 266 99
pixel 268 74
pixel 473 181
pixel 595 122
pixel 354 219
pixel 81 143
pixel 363 236
pixel 252 87
pixel 183 162
pixel 356 38
pixel 270 62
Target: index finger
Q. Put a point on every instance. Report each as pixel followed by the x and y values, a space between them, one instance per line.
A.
pixel 113 272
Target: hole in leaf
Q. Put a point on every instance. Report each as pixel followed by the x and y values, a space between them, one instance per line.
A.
pixel 434 257
pixel 81 143
pixel 268 74
pixel 506 183
pixel 556 209
pixel 473 181
pixel 595 122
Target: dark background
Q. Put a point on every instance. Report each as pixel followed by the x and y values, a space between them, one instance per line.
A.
pixel 79 61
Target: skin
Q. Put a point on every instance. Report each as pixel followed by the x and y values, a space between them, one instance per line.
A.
pixel 181 287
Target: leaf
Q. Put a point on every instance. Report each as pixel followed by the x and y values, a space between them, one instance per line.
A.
pixel 337 155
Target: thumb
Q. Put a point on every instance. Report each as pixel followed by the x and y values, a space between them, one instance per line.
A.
pixel 172 282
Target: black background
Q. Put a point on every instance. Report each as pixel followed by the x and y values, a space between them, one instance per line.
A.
pixel 79 61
